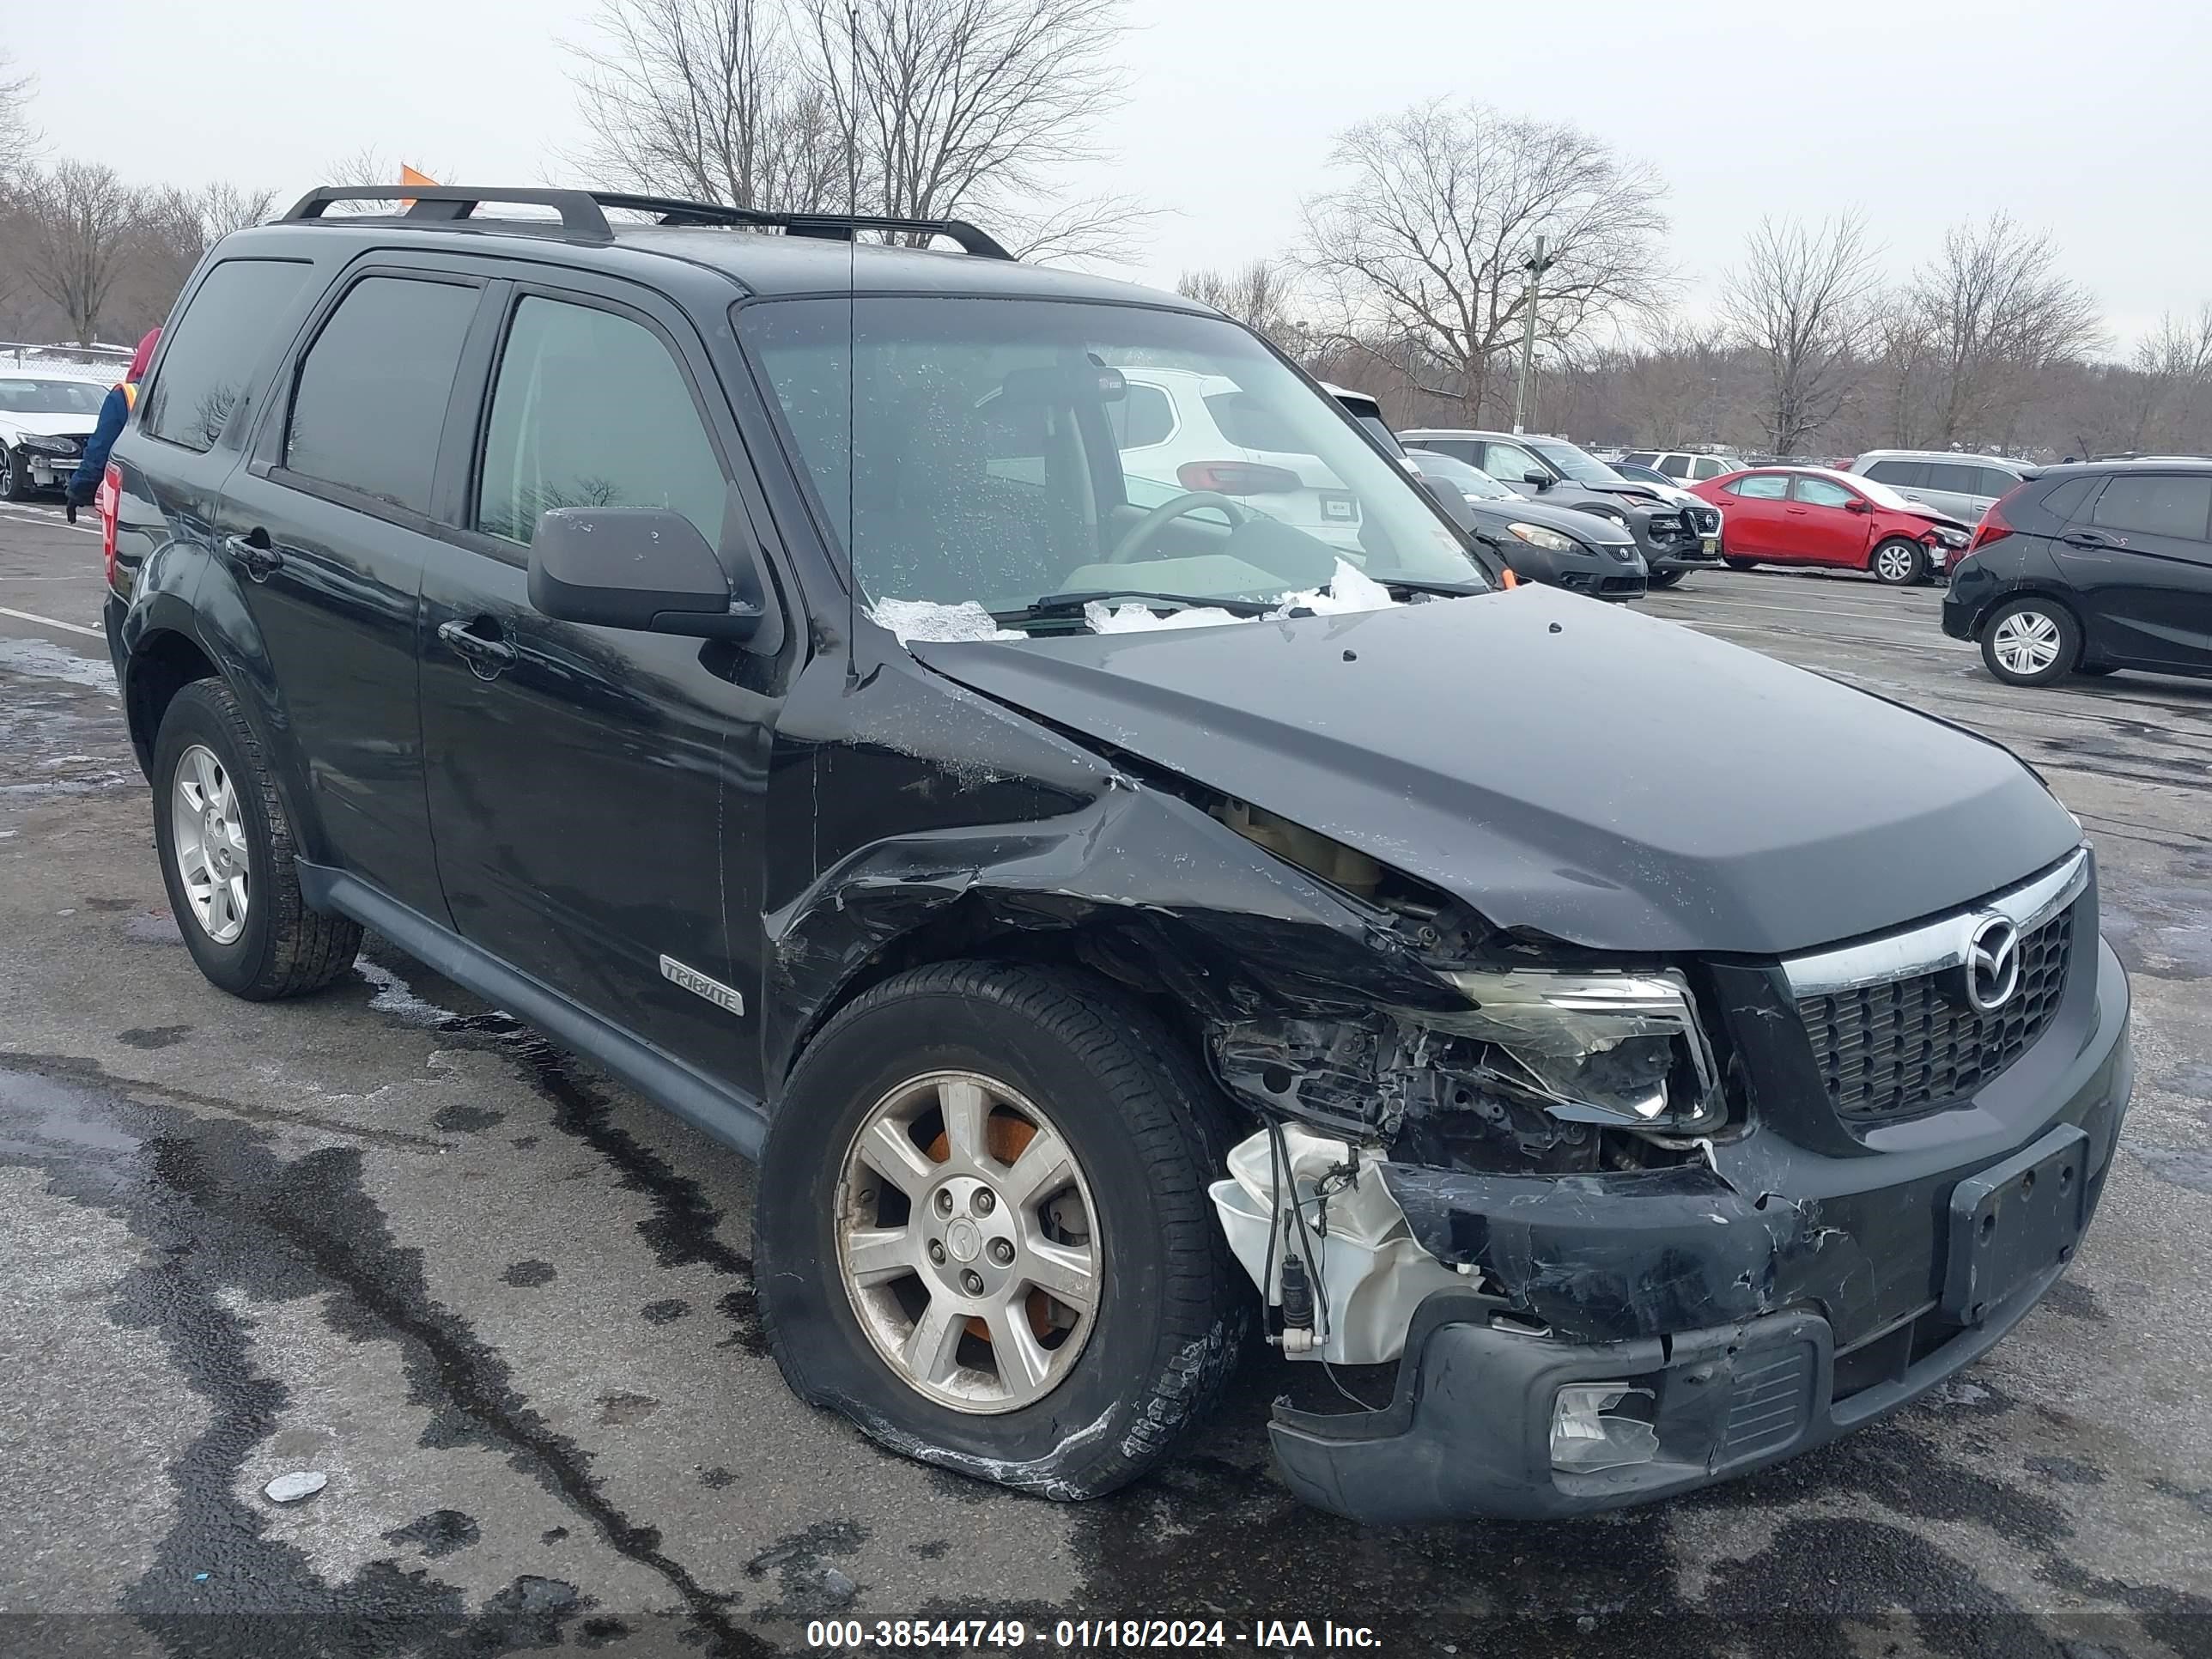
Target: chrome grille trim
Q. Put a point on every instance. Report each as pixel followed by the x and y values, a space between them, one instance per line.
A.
pixel 1936 945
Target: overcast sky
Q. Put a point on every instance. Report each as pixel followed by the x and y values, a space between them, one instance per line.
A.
pixel 2093 121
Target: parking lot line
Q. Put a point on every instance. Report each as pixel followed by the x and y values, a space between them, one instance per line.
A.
pixel 52 622
pixel 32 515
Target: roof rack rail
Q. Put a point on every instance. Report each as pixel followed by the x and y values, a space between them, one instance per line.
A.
pixel 580 218
pixel 831 226
pixel 583 213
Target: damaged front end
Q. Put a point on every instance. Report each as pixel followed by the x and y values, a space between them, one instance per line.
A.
pixel 1605 1223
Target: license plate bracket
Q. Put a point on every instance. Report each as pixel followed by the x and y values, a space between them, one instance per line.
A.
pixel 2014 1220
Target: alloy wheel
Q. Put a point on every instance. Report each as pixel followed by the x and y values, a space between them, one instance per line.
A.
pixel 210 844
pixel 968 1242
pixel 2027 642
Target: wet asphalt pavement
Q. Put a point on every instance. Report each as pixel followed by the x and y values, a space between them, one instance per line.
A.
pixel 506 1306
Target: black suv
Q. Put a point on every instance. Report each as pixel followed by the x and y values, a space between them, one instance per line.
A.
pixel 764 664
pixel 2087 568
pixel 1674 539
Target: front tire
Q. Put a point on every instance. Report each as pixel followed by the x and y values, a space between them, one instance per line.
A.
pixel 982 1230
pixel 15 475
pixel 1734 563
pixel 2030 641
pixel 226 856
pixel 1899 563
pixel 1666 578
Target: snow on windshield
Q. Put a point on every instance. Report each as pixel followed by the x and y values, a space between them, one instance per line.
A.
pixel 927 621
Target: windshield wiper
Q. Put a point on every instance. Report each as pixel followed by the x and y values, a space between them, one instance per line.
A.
pixel 1448 590
pixel 1053 605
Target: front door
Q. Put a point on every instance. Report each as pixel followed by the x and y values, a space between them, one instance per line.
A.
pixel 596 794
pixel 2142 558
pixel 1820 527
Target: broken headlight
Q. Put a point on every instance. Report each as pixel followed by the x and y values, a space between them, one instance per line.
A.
pixel 1618 1048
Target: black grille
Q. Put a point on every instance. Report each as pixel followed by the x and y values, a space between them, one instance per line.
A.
pixel 1894 1051
pixel 1704 519
pixel 1770 1404
pixel 1666 526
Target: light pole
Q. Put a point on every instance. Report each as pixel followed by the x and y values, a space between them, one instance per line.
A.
pixel 1524 398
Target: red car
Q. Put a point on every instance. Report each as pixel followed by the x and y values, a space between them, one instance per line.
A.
pixel 1810 515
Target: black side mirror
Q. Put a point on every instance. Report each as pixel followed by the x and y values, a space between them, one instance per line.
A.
pixel 1541 480
pixel 647 569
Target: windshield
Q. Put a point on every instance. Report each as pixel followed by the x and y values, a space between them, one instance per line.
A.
pixel 1578 464
pixel 1879 494
pixel 1469 480
pixel 1006 451
pixel 22 396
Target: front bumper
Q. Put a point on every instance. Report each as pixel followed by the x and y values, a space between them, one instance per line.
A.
pixel 1468 1432
pixel 46 469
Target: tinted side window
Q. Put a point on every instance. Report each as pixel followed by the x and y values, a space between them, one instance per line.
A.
pixel 1954 476
pixel 2153 506
pixel 2066 501
pixel 214 347
pixel 1764 487
pixel 1143 417
pixel 1511 463
pixel 1249 423
pixel 1901 475
pixel 370 400
pixel 1820 492
pixel 1674 466
pixel 1995 481
pixel 589 409
pixel 1641 457
pixel 1707 467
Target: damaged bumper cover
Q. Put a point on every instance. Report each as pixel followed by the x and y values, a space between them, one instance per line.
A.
pixel 1752 1310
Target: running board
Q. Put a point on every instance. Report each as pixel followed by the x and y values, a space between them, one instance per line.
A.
pixel 737 1119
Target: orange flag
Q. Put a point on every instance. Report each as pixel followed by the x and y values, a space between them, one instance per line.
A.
pixel 409 176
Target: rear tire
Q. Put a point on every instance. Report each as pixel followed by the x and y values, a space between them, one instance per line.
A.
pixel 226 856
pixel 2030 641
pixel 1898 562
pixel 1144 1129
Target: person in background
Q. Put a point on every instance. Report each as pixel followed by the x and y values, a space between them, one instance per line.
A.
pixel 114 412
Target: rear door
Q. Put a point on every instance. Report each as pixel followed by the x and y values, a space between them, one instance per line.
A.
pixel 593 790
pixel 1819 525
pixel 1752 515
pixel 1512 465
pixel 327 528
pixel 2140 557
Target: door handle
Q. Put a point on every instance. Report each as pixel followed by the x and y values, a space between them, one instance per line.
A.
pixel 2089 538
pixel 487 654
pixel 254 554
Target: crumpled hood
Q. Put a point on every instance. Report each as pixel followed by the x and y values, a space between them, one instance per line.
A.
pixel 47 426
pixel 1559 764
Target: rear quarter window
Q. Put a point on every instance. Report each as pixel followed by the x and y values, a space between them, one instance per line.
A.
pixel 2068 498
pixel 210 358
pixel 1900 475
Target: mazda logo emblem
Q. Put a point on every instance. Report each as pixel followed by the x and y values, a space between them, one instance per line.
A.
pixel 1992 963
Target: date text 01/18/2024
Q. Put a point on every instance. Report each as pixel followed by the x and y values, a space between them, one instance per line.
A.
pixel 1005 1634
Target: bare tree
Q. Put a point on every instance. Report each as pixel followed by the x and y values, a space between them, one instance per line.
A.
pixel 1998 310
pixel 2172 366
pixel 956 108
pixel 19 139
pixel 1258 295
pixel 79 220
pixel 710 101
pixel 1803 300
pixel 1440 206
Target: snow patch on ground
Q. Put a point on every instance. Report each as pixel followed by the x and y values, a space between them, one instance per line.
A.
pixel 45 661
pixel 392 995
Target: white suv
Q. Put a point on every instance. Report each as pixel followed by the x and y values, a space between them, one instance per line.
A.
pixel 1685 466
pixel 1182 430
